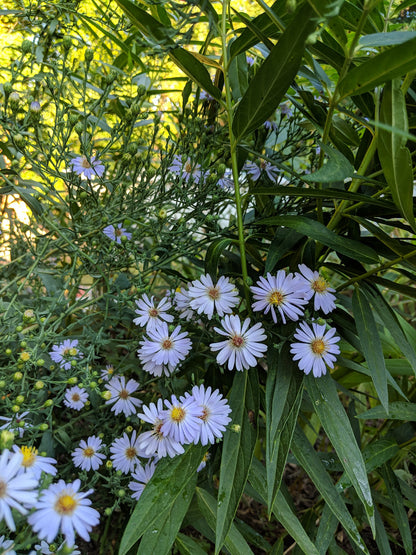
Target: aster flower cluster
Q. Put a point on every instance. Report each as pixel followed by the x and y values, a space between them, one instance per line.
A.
pixel 285 296
pixel 60 508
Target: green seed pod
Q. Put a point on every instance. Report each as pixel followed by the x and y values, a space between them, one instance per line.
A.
pixel 89 55
pixel 26 46
pixel 67 42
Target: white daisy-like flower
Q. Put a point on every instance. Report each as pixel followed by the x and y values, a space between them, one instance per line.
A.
pixel 35 464
pixel 89 168
pixel 75 397
pixel 163 349
pixel 255 171
pixel 108 372
pixel 182 419
pixel 150 314
pixel 243 345
pixel 186 170
pixel 121 398
pixel 141 476
pixel 6 546
pixel 86 456
pixel 155 442
pixel 214 411
pixel 319 288
pixel 117 233
pixel 64 353
pixel 126 452
pixel 226 182
pixel 16 423
pixel 63 508
pixel 205 296
pixel 282 293
pixel 316 349
pixel 17 491
pixel 182 302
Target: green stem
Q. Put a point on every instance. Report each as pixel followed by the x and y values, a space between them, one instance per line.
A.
pixel 378 269
pixel 233 150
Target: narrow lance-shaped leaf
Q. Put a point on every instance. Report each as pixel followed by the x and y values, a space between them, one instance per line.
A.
pixel 281 509
pixel 397 411
pixel 234 541
pixel 317 231
pixel 154 29
pixel 391 323
pixel 160 494
pixel 309 460
pixel 388 65
pixel 284 392
pixel 275 75
pixel 237 452
pixel 159 539
pixel 395 158
pixel 336 169
pixel 334 420
pixel 371 345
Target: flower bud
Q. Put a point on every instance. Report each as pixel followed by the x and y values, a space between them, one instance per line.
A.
pixel 106 395
pixel 15 408
pixel 8 352
pixel 17 376
pixel 39 384
pixel 25 356
pixel 35 107
pixel 8 88
pixel 40 362
pixel 2 384
pixel 89 55
pixel 108 511
pixel 6 439
pixel 67 42
pixel 20 399
pixel 43 428
pixel 48 403
pixel 26 46
pixel 72 381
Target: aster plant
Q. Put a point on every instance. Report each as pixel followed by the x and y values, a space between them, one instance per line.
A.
pixel 207 278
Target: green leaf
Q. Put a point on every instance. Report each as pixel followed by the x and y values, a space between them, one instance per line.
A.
pixel 371 344
pixel 186 61
pixel 334 420
pixel 238 76
pixel 213 255
pixel 391 322
pixel 394 157
pixel 400 514
pixel 160 494
pixel 385 39
pixel 274 76
pixel 237 452
pixel 388 65
pixel 187 546
pixel 326 9
pixel 397 411
pixel 234 541
pixel 284 392
pixel 311 463
pixel 194 69
pixel 159 539
pixel 336 169
pixel 281 509
pixel 327 193
pixel 281 244
pixel 381 535
pixel 318 232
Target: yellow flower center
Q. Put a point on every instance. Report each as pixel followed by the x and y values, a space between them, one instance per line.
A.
pixel 88 452
pixel 73 351
pixel 85 164
pixel 110 370
pixel 167 344
pixel 320 285
pixel 276 298
pixel 188 167
pixel 130 452
pixel 3 489
pixel 66 352
pixel 66 504
pixel 213 293
pixel 177 414
pixel 124 394
pixel 237 341
pixel 29 456
pixel 318 346
pixel 205 414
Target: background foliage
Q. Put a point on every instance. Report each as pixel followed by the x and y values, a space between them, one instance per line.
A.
pixel 129 81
